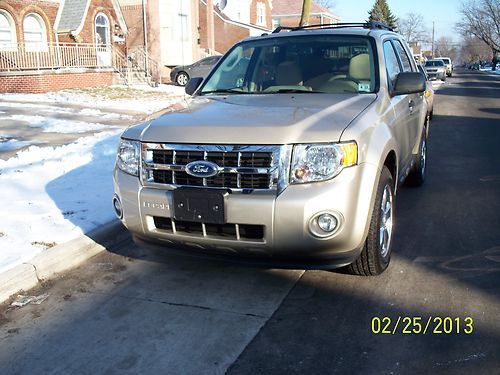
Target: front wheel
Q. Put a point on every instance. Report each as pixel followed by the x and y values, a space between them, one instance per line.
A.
pixel 376 253
pixel 182 79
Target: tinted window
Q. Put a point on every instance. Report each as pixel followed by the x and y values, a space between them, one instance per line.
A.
pixel 391 63
pixel 404 57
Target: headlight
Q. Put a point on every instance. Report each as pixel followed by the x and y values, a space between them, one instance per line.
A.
pixel 320 162
pixel 128 156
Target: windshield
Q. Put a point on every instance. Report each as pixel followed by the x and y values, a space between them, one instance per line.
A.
pixel 446 61
pixel 434 63
pixel 302 64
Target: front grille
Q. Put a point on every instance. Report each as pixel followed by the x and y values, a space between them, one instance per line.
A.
pixel 241 167
pixel 226 231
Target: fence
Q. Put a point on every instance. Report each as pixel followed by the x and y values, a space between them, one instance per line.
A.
pixel 17 57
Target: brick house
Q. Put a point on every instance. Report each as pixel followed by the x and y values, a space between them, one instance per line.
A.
pixel 288 13
pixel 49 45
pixel 236 20
pixel 180 32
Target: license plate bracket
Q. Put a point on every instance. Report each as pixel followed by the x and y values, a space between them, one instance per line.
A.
pixel 199 205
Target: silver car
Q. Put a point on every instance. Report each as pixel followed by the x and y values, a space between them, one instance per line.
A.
pixel 291 151
pixel 435 69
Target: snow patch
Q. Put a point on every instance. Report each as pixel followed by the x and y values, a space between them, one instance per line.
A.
pixel 54 194
pixel 14 144
pixel 54 125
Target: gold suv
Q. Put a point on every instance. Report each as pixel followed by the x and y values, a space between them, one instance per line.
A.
pixel 291 151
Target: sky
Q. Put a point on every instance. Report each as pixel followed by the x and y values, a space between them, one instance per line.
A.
pixel 445 13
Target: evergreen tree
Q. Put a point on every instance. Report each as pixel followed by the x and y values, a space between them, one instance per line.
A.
pixel 381 13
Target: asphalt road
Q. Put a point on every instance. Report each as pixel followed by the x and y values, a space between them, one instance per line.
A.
pixel 136 311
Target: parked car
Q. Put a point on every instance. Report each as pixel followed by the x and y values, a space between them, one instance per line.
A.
pixel 435 68
pixel 429 94
pixel 293 159
pixel 182 73
pixel 448 65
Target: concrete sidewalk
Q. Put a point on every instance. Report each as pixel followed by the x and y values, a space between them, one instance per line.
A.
pixel 60 258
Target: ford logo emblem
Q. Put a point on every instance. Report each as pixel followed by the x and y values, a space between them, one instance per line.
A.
pixel 202 168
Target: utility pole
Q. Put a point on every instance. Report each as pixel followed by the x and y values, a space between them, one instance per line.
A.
pixel 432 48
pixel 145 31
pixel 306 10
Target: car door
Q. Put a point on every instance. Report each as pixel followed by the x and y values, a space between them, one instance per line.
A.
pixel 400 107
pixel 416 101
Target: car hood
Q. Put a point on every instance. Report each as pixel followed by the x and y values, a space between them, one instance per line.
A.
pixel 255 119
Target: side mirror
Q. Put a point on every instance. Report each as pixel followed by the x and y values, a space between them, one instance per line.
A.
pixel 193 85
pixel 409 83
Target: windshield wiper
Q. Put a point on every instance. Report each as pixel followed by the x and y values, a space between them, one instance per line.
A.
pixel 234 90
pixel 293 91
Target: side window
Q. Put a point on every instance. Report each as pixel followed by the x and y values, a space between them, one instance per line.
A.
pixel 391 63
pixel 205 61
pixel 405 61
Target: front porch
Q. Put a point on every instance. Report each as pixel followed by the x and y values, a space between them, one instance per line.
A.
pixel 54 66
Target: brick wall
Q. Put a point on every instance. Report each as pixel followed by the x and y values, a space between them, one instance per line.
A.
pixel 18 9
pixel 226 34
pixel 133 18
pixel 39 82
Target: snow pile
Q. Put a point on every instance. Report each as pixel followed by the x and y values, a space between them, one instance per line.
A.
pixel 488 70
pixel 55 125
pixel 51 195
pixel 140 99
pixel 9 144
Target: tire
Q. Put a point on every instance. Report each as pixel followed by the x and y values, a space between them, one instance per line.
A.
pixel 444 78
pixel 182 79
pixel 417 174
pixel 375 256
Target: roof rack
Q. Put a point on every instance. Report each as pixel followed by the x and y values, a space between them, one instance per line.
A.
pixel 372 25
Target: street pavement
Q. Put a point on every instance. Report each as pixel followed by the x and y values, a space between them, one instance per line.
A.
pixel 136 311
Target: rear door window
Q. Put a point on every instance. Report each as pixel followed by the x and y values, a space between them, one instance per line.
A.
pixel 391 64
pixel 405 60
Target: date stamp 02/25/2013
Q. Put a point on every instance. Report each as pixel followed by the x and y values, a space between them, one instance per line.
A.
pixel 417 325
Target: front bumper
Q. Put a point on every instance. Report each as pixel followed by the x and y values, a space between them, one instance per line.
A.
pixel 436 75
pixel 285 218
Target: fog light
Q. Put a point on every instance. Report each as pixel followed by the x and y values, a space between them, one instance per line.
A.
pixel 327 222
pixel 117 206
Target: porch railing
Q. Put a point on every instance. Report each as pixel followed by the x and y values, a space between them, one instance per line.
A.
pixel 141 61
pixel 18 57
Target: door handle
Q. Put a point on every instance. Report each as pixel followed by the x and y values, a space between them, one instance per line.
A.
pixel 411 105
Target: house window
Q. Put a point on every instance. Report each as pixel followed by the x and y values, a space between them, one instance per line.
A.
pixel 102 37
pixel 7 31
pixel 261 14
pixel 35 36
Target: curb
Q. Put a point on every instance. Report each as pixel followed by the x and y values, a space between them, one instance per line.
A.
pixel 60 258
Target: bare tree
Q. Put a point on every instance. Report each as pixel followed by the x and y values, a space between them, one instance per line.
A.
pixel 444 47
pixel 327 4
pixel 481 18
pixel 412 27
pixel 473 50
